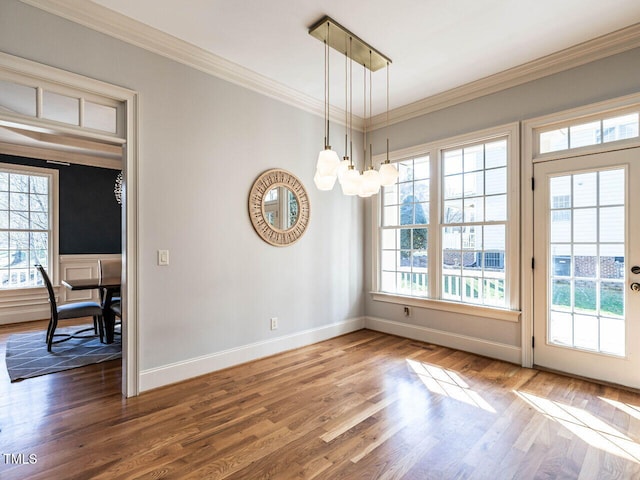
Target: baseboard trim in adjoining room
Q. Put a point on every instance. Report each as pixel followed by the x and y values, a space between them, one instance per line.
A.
pixel 179 371
pixel 486 348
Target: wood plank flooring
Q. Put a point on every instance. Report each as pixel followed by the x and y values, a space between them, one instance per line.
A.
pixel 361 406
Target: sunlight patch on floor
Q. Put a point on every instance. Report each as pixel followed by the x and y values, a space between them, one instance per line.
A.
pixel 631 410
pixel 448 383
pixel 586 426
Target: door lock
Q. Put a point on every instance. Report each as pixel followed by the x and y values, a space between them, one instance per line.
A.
pixel 635 269
pixel 635 286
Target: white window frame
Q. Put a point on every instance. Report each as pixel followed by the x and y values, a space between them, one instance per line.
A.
pixel 53 254
pixel 512 254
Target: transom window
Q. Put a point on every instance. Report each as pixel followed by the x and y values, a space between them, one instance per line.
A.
pixel 447 224
pixel 597 131
pixel 73 108
pixel 25 224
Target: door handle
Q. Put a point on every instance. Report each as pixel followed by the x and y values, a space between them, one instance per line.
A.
pixel 635 286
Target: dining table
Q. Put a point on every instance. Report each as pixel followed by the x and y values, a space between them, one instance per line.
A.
pixel 107 286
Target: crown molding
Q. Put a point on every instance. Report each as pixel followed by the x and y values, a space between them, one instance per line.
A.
pixel 111 23
pixel 131 31
pixel 583 53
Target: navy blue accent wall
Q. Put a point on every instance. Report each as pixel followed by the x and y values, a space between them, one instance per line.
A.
pixel 90 219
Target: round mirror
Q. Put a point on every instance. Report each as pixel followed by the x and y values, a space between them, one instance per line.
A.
pixel 279 207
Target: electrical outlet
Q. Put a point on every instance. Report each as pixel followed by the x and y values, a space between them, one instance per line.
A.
pixel 274 323
pixel 407 311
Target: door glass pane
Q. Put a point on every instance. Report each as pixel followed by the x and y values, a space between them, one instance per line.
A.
pixel 585 224
pixel 561 328
pixel 585 190
pixel 585 332
pixel 561 226
pixel 612 187
pixel 612 224
pixel 612 335
pixel 612 261
pixel 586 261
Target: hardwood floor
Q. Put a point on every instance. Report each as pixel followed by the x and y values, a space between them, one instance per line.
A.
pixel 361 406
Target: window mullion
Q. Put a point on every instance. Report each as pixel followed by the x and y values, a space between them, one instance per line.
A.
pixel 435 245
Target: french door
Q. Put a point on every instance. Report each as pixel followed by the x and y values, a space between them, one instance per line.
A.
pixel 587 250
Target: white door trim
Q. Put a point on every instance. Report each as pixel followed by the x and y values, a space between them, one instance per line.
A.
pixel 528 157
pixel 19 66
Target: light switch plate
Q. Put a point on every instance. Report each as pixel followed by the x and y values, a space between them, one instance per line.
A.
pixel 163 257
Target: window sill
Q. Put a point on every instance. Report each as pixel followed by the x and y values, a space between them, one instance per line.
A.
pixel 466 309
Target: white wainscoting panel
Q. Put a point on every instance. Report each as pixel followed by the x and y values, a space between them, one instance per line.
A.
pixel 29 304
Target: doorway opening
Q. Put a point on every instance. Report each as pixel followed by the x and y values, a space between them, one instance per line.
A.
pixel 64 117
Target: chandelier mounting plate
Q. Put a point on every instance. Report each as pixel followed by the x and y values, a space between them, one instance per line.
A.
pixel 361 52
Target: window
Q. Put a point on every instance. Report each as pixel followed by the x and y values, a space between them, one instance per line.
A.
pixel 474 223
pixel 595 132
pixel 68 107
pixel 405 230
pixel 446 225
pixel 26 224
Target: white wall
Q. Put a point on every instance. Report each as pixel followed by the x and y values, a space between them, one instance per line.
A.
pixel 203 141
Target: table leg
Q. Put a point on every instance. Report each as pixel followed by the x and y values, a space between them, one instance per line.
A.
pixel 108 316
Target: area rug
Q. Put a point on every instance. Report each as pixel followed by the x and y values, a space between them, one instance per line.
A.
pixel 27 354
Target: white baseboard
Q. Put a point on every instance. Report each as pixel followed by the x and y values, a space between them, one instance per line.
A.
pixel 176 372
pixel 496 350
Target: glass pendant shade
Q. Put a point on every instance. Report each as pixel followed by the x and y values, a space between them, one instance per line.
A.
pixel 324 182
pixel 388 174
pixel 328 163
pixel 343 167
pixel 370 183
pixel 351 182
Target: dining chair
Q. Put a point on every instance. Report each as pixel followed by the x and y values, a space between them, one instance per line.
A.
pixel 67 311
pixel 109 268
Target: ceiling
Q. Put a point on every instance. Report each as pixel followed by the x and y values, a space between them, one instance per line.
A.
pixel 434 45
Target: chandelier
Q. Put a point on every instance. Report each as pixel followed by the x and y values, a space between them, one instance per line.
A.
pixel 368 181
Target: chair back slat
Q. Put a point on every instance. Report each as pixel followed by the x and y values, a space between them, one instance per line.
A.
pixel 109 268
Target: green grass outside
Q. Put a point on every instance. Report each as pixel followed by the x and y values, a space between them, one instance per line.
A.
pixel 611 300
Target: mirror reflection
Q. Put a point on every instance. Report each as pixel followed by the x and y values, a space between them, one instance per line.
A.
pixel 281 208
